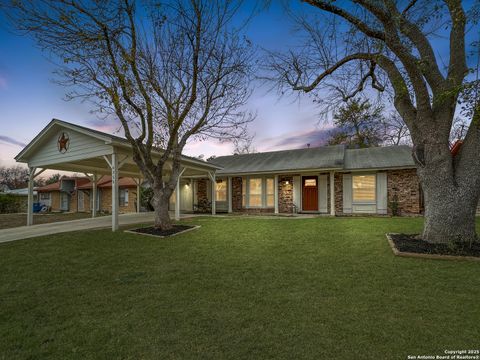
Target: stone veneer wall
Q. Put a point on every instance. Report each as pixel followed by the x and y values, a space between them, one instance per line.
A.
pixel 404 183
pixel 202 190
pixel 338 187
pixel 237 194
pixel 285 194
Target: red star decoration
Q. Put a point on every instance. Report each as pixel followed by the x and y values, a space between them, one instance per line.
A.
pixel 62 143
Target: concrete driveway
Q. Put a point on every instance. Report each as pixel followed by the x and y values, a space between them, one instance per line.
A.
pixel 24 232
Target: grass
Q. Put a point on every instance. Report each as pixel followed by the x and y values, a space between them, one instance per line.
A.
pixel 15 220
pixel 237 288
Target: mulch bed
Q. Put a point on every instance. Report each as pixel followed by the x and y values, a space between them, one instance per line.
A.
pixel 411 244
pixel 152 231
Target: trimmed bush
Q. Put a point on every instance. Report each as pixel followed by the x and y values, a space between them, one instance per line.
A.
pixel 10 204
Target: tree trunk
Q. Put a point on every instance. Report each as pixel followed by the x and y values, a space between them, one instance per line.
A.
pixel 450 207
pixel 449 215
pixel 161 200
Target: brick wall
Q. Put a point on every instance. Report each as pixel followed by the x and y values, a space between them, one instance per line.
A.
pixel 73 201
pixel 55 200
pixel 406 185
pixel 106 200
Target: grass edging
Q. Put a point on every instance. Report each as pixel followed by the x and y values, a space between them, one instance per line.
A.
pixel 131 231
pixel 397 252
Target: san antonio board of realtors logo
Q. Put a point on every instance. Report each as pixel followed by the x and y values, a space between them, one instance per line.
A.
pixel 63 142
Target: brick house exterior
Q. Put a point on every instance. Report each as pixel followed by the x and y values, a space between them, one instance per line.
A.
pixel 352 170
pixel 52 195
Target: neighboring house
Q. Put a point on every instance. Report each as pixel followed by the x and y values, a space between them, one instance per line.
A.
pixel 127 199
pixel 74 194
pixel 21 196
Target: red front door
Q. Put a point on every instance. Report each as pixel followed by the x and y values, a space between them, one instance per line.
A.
pixel 310 193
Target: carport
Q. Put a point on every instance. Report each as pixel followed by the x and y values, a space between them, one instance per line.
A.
pixel 68 147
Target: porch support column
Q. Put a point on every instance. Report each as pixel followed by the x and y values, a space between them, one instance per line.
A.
pixel 332 193
pixel 211 175
pixel 177 200
pixel 94 195
pixel 275 193
pixel 139 182
pixel 230 194
pixel 114 165
pixel 31 177
pixel 177 195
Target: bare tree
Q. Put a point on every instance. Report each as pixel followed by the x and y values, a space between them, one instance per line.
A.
pixel 168 71
pixel 389 45
pixel 15 177
pixel 244 146
pixel 395 131
pixel 459 129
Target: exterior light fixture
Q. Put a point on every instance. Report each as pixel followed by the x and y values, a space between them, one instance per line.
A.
pixel 287 182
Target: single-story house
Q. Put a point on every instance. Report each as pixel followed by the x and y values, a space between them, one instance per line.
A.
pixel 330 180
pixel 75 194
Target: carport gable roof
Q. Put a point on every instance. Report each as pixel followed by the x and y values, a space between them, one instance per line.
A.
pixel 107 142
pixel 326 157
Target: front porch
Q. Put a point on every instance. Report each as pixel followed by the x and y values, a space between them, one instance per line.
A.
pixel 284 193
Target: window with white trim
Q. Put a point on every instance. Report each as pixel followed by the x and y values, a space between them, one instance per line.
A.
pixel 255 192
pixel 364 188
pixel 258 192
pixel 44 196
pixel 221 190
pixel 270 192
pixel 123 197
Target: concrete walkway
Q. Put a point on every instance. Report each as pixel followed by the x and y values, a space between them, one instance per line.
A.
pixel 102 222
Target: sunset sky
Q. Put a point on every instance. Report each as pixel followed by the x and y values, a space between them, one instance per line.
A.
pixel 29 99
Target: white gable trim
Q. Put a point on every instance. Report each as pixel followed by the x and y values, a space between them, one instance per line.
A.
pixel 23 155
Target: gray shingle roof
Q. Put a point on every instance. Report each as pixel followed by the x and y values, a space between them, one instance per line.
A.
pixel 326 157
pixel 378 157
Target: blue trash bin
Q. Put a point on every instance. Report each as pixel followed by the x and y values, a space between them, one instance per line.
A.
pixel 37 207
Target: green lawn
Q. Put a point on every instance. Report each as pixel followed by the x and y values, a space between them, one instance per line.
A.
pixel 237 288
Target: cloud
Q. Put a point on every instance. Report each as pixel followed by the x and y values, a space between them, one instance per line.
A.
pixel 109 126
pixel 11 141
pixel 316 137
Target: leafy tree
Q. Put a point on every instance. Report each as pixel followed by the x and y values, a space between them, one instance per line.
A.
pixel 52 179
pixel 358 124
pixel 393 47
pixel 169 71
